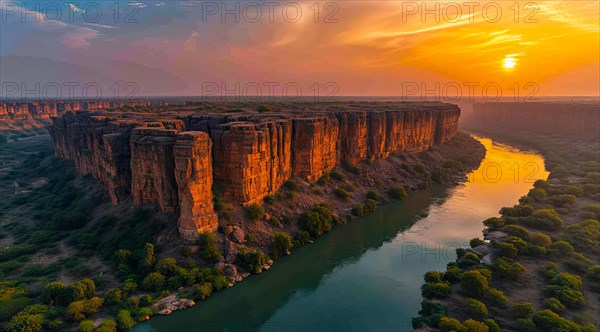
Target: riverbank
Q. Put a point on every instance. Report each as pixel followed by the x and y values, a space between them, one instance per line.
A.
pixel 540 270
pixel 369 268
pixel 125 275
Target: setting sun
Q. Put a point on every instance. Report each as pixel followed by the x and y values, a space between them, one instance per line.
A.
pixel 509 63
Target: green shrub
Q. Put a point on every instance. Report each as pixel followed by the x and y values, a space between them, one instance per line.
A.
pixel 474 283
pixel 153 281
pixel 475 326
pixel 437 290
pixel 317 221
pixel 54 293
pixel 496 296
pixel 538 194
pixel 555 305
pixel 292 185
pixel 448 324
pixel 506 269
pixel 202 291
pixel 107 325
pixel 269 199
pixel 341 193
pixel 255 212
pixel 578 262
pixel 493 223
pixel 80 309
pixel 373 194
pixel 524 325
pixel 434 277
pixel 477 309
pixel 492 325
pixel 336 175
pixel 324 180
pixel 467 260
pixel 219 282
pixel 359 210
pixel 208 247
pixel 275 222
pixel 113 296
pixel 282 244
pixel 522 309
pixel 86 326
pixel 252 261
pixel 561 248
pixel 552 322
pixel 517 231
pixel 397 193
pixel 370 206
pixel 475 242
pixel 507 250
pixel 593 274
pixel 124 320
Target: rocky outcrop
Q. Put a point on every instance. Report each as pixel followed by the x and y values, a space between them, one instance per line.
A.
pixel 315 146
pixel 252 160
pixel 153 166
pixel 172 162
pixel 193 173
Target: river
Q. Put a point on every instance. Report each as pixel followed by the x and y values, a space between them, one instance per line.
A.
pixel 366 275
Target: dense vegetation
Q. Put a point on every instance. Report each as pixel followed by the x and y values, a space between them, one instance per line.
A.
pixel 549 244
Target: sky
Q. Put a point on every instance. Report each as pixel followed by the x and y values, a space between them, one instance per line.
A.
pixel 516 49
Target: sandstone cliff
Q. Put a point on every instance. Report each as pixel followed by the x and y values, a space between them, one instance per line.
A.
pixel 171 160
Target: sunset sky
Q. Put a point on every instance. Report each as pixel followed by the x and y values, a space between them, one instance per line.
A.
pixel 362 47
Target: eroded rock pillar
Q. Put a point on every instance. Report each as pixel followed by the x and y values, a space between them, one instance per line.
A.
pixel 194 176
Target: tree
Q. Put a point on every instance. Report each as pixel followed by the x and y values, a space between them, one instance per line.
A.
pixel 397 193
pixel 86 326
pixel 149 258
pixel 436 290
pixel 129 286
pixel 166 266
pixel 255 212
pixel 123 256
pixel 25 322
pixel 85 288
pixel 54 292
pixel 153 281
pixel 202 291
pixel 124 320
pixel 475 326
pixel 208 247
pixel 433 277
pixel 107 325
pixel 79 309
pixel 477 309
pixel 373 194
pixel 522 309
pixel 448 324
pixel 282 244
pixel 113 296
pixel 474 283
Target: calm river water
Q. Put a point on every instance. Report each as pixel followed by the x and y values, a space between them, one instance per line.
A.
pixel 366 275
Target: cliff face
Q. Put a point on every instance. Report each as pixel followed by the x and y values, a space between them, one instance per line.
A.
pixel 577 118
pixel 172 163
pixel 193 173
pixel 17 115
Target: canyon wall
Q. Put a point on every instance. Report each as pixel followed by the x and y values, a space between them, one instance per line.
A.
pixel 173 162
pixel 577 118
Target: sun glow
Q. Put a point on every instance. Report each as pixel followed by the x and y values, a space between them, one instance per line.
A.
pixel 509 63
